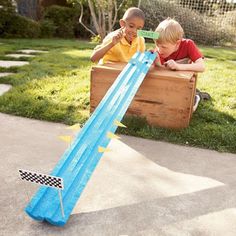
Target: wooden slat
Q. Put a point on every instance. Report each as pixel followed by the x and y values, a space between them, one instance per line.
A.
pixel 165 98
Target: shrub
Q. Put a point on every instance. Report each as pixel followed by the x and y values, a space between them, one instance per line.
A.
pixel 63 18
pixel 228 23
pixel 96 39
pixel 47 29
pixel 21 27
pixel 6 11
pixel 14 25
pixel 7 6
pixel 4 16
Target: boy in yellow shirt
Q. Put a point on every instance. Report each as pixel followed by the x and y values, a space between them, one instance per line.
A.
pixel 122 44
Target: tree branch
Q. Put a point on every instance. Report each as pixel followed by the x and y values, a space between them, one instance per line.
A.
pixel 92 11
pixel 80 20
pixel 116 12
pixel 110 9
pixel 139 3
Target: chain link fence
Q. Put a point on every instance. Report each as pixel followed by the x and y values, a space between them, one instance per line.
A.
pixel 210 22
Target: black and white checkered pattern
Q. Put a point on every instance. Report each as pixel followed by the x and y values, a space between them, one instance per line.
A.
pixel 47 180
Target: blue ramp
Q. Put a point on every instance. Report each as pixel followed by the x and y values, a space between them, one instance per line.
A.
pixel 79 161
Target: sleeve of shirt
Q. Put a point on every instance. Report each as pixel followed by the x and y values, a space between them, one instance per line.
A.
pixel 108 54
pixel 105 41
pixel 193 52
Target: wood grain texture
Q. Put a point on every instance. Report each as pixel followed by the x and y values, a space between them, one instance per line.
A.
pixel 165 98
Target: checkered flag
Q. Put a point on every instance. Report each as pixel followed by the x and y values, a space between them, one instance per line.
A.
pixel 42 179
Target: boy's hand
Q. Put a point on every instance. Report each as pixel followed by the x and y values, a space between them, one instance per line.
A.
pixel 171 64
pixel 119 34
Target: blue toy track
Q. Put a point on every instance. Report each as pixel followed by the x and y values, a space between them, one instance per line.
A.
pixel 79 161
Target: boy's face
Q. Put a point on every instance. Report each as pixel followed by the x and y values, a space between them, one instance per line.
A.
pixel 131 26
pixel 166 49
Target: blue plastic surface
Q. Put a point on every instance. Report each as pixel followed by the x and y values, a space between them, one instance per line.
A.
pixel 79 161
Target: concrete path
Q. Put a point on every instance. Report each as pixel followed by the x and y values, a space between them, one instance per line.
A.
pixel 29 51
pixel 19 55
pixel 3 74
pixel 141 187
pixel 7 64
pixel 4 88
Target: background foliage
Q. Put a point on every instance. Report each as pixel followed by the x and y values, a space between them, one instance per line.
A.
pixel 210 22
pixel 197 18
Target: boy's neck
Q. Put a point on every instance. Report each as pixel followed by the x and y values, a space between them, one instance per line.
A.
pixel 129 42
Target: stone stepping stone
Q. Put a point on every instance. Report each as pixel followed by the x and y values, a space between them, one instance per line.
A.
pixel 4 88
pixel 5 74
pixel 29 51
pixel 19 55
pixel 7 64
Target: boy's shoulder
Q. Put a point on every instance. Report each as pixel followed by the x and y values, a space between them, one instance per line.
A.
pixel 187 42
pixel 188 47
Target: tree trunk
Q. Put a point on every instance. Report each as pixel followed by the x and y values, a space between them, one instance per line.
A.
pixel 103 14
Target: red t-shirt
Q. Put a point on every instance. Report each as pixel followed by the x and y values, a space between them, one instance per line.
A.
pixel 187 49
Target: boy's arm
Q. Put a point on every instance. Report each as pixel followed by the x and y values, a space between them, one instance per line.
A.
pixel 105 47
pixel 197 66
pixel 100 52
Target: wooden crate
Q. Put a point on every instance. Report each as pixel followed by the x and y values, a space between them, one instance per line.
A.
pixel 165 97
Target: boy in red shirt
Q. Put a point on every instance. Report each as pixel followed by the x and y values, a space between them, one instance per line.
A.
pixel 175 52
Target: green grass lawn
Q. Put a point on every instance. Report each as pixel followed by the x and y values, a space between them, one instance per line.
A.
pixel 55 87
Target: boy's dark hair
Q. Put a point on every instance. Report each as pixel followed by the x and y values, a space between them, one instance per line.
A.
pixel 133 12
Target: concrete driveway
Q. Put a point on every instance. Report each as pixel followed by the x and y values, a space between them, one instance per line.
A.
pixel 141 187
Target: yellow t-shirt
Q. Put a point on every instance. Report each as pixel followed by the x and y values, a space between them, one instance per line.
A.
pixel 122 51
